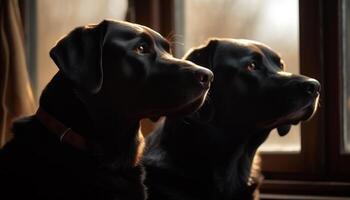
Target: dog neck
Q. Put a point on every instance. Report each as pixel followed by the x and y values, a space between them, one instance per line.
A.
pixel 224 163
pixel 113 139
pixel 63 133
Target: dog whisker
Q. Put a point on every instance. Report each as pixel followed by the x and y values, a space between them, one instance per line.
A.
pixel 174 39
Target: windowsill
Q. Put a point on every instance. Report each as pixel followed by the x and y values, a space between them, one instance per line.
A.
pixel 299 197
pixel 302 189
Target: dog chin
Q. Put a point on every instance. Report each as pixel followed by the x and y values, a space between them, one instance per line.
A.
pixel 303 114
pixel 178 110
pixel 188 108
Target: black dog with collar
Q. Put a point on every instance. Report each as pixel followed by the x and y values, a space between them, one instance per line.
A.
pixel 110 76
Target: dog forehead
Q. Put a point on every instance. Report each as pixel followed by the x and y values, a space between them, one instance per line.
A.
pixel 237 48
pixel 246 46
pixel 251 47
pixel 127 30
pixel 150 31
pixel 123 29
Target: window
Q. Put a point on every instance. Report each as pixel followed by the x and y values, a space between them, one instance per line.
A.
pixel 346 75
pixel 269 21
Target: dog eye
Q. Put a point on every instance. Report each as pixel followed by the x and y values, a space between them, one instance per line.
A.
pixel 142 48
pixel 251 66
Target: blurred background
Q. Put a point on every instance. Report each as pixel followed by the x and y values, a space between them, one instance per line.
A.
pixel 312 36
pixel 272 22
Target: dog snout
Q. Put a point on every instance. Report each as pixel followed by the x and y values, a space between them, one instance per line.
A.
pixel 205 77
pixel 311 87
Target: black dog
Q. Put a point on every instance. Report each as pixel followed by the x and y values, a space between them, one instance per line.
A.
pixel 84 143
pixel 208 155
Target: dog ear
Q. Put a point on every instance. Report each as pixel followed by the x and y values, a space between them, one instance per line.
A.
pixel 284 129
pixel 203 55
pixel 79 56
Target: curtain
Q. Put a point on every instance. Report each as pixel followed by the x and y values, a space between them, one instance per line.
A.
pixel 16 96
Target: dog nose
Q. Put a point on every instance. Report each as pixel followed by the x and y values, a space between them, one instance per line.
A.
pixel 205 77
pixel 311 86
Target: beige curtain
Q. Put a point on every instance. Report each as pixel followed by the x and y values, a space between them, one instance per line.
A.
pixel 16 97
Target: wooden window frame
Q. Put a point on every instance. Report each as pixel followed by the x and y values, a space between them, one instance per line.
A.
pixel 309 163
pixel 157 14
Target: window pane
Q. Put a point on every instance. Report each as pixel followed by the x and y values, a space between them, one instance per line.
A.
pixel 346 73
pixel 273 22
pixel 57 18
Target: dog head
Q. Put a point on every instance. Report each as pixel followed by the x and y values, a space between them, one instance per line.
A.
pixel 128 68
pixel 251 89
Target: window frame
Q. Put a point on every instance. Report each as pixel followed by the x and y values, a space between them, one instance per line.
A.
pixel 156 14
pixel 309 161
pixel 333 48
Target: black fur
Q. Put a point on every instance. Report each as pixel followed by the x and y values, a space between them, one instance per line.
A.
pixel 208 155
pixel 107 73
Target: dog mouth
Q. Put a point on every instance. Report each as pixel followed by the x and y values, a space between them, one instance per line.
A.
pixel 304 113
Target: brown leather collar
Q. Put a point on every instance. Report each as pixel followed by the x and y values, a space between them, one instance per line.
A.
pixel 63 133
